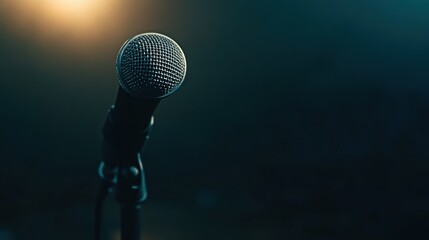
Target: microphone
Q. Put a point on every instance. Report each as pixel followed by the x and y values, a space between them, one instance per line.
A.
pixel 149 67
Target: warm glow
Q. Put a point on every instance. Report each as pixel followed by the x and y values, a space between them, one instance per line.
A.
pixel 83 28
pixel 77 11
pixel 73 6
pixel 80 16
pixel 73 23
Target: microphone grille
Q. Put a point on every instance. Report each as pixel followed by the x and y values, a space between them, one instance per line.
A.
pixel 150 65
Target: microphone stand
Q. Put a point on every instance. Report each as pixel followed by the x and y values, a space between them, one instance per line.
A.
pixel 130 193
pixel 122 171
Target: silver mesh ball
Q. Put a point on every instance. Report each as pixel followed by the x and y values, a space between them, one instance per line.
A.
pixel 150 65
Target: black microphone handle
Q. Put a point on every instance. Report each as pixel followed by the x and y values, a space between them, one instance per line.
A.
pixel 127 126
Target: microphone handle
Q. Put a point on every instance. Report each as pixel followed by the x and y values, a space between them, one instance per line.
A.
pixel 127 127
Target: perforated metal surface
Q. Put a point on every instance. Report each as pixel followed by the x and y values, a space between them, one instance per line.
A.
pixel 150 65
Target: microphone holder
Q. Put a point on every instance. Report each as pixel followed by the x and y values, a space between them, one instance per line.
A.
pixel 130 191
pixel 129 184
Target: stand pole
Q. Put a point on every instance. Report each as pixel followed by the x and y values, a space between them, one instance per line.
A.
pixel 130 222
pixel 130 193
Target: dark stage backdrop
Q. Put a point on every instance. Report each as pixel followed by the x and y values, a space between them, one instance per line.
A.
pixel 297 119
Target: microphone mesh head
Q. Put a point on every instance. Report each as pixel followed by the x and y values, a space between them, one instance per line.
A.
pixel 150 65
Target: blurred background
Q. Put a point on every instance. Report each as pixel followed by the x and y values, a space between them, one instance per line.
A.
pixel 297 119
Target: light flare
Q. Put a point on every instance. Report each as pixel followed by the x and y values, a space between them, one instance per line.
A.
pixel 76 23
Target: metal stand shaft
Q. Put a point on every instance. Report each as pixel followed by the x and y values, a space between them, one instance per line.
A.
pixel 130 222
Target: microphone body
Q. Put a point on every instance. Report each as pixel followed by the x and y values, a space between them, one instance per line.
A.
pixel 127 126
pixel 149 67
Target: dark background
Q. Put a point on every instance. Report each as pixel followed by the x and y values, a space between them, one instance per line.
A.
pixel 297 120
